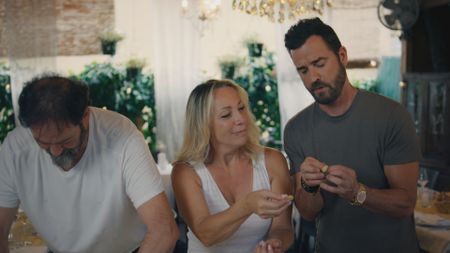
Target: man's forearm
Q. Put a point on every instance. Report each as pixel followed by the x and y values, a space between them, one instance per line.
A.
pixel 391 202
pixel 308 204
pixel 157 243
pixel 7 217
pixel 4 232
pixel 4 245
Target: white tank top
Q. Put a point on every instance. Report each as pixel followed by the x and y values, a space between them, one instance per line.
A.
pixel 251 232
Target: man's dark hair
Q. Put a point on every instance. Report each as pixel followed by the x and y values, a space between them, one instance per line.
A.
pixel 305 28
pixel 52 98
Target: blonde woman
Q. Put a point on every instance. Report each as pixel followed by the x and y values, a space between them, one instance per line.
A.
pixel 233 193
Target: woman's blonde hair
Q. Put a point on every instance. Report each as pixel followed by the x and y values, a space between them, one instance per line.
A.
pixel 197 134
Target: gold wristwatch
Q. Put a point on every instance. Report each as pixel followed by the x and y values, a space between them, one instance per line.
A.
pixel 360 196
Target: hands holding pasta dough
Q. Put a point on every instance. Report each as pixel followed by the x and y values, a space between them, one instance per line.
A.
pixel 267 204
pixel 337 179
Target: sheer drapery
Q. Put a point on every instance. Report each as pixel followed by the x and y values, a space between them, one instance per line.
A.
pixel 30 38
pixel 293 96
pixel 176 60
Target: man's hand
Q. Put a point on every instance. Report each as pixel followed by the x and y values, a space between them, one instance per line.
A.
pixel 311 172
pixel 341 180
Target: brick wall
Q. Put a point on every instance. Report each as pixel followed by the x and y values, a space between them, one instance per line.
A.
pixel 80 22
pixel 2 27
pixel 53 27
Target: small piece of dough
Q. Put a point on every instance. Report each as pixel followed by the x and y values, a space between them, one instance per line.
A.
pixel 324 169
pixel 287 196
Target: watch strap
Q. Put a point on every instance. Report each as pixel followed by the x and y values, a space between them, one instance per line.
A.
pixel 307 188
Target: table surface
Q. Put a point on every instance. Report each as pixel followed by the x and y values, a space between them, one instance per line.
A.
pixel 433 239
pixel 29 249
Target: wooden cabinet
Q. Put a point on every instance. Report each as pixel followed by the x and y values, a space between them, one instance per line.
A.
pixel 427 98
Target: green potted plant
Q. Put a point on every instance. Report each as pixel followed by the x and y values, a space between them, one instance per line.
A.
pixel 6 107
pixel 258 78
pixel 134 67
pixel 254 45
pixel 370 85
pixel 228 65
pixel 108 88
pixel 109 41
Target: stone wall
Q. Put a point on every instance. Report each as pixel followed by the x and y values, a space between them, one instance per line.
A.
pixel 53 27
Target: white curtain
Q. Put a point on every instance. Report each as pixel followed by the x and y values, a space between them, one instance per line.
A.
pixel 181 55
pixel 176 60
pixel 292 94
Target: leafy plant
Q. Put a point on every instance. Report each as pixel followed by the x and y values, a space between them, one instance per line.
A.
pixel 230 60
pixel 110 36
pixel 6 108
pixel 228 65
pixel 137 63
pixel 370 85
pixel 259 80
pixel 134 99
pixel 252 38
pixel 109 40
pixel 254 45
pixel 104 81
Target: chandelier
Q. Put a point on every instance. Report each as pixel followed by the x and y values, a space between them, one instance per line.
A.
pixel 200 13
pixel 283 9
pixel 204 10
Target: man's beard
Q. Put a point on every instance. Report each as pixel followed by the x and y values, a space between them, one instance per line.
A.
pixel 333 92
pixel 69 155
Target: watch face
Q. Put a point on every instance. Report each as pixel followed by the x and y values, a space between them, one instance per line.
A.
pixel 361 197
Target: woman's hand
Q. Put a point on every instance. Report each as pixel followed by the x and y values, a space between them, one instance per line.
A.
pixel 269 246
pixel 267 204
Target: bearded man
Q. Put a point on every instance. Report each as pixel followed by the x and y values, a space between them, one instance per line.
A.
pixel 83 175
pixel 354 154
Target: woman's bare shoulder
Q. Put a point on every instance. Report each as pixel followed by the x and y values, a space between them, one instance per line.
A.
pixel 183 170
pixel 273 155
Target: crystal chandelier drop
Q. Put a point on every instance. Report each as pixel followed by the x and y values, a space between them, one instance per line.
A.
pixel 282 9
pixel 200 13
pixel 203 10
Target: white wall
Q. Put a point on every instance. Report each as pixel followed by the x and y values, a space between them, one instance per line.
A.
pixel 358 29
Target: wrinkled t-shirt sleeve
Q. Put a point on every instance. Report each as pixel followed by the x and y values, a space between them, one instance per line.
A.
pixel 293 149
pixel 8 193
pixel 401 143
pixel 141 175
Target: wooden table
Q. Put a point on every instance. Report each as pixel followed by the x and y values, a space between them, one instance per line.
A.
pixel 433 239
pixel 30 249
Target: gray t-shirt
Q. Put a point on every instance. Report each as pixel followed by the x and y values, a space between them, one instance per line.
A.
pixel 374 132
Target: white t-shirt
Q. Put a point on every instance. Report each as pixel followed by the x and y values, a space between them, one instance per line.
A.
pixel 92 207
